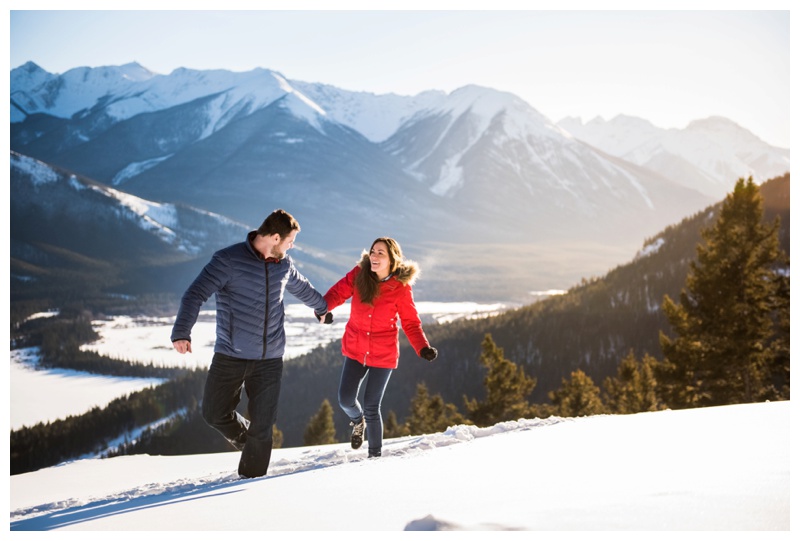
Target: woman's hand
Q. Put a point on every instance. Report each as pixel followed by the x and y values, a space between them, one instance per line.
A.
pixel 428 353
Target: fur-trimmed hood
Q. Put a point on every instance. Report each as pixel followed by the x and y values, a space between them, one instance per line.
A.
pixel 406 273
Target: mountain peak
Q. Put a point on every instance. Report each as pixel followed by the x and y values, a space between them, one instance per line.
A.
pixel 487 103
pixel 726 130
pixel 133 71
pixel 629 120
pixel 713 123
pixel 30 67
pixel 480 99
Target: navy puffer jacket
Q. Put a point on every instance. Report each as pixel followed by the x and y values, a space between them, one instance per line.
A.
pixel 249 322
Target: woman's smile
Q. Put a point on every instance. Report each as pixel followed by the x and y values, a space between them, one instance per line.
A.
pixel 379 260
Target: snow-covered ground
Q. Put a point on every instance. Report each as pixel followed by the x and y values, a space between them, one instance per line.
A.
pixel 44 395
pixel 718 469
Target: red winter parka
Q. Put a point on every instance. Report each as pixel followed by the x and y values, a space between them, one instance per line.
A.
pixel 371 334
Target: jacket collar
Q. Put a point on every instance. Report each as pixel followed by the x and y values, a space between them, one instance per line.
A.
pixel 258 255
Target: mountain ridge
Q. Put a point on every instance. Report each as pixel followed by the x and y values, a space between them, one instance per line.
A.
pixel 707 154
pixel 474 169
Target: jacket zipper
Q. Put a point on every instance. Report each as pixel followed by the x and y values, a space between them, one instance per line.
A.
pixel 266 311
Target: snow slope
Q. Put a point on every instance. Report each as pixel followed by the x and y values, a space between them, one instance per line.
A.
pixel 713 469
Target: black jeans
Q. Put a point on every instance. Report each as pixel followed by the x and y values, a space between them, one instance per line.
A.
pixel 353 374
pixel 261 380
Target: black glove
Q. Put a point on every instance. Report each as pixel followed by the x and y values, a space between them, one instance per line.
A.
pixel 327 319
pixel 428 353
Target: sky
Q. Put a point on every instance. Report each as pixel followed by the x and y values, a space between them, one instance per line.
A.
pixel 715 472
pixel 668 67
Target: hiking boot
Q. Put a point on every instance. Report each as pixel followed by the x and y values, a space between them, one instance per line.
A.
pixel 374 454
pixel 357 438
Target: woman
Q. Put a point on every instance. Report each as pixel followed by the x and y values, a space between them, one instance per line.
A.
pixel 380 287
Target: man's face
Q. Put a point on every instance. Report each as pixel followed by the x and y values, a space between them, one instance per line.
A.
pixel 282 245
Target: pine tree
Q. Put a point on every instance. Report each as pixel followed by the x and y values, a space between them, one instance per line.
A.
pixel 635 387
pixel 430 414
pixel 320 429
pixel 780 348
pixel 724 324
pixel 577 397
pixel 507 389
pixel 392 428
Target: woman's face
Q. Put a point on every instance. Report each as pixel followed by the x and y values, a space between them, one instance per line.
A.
pixel 380 262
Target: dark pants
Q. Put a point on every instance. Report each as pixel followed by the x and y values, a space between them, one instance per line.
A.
pixel 353 374
pixel 261 380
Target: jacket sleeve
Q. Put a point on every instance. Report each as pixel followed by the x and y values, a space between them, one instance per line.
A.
pixel 410 321
pixel 299 286
pixel 341 290
pixel 211 279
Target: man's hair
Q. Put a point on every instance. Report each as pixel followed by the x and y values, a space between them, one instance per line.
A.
pixel 280 222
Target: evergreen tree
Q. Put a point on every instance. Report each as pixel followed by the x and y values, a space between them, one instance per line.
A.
pixel 392 428
pixel 507 389
pixel 724 324
pixel 320 429
pixel 635 387
pixel 577 396
pixel 430 414
pixel 780 349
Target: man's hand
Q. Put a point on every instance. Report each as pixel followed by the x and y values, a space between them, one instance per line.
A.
pixel 327 319
pixel 182 346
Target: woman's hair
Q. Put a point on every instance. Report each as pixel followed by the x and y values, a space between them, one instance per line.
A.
pixel 366 282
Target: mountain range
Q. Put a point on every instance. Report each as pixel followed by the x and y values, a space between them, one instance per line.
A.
pixel 705 155
pixel 492 197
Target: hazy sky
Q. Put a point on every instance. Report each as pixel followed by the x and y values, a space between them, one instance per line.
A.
pixel 669 67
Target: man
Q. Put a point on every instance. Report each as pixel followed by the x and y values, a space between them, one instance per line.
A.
pixel 249 279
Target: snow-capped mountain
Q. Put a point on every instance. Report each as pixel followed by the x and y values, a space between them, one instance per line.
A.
pixel 60 220
pixel 709 154
pixel 492 152
pixel 375 116
pixel 126 91
pixel 33 90
pixel 43 194
pixel 219 139
pixel 472 166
